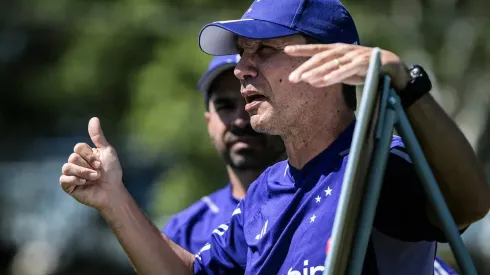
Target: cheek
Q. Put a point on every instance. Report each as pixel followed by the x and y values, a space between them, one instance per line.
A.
pixel 216 128
pixel 277 72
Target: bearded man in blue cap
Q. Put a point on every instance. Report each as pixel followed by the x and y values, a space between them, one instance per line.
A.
pixel 294 87
pixel 245 153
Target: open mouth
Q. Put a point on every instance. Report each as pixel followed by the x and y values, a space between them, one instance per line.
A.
pixel 254 97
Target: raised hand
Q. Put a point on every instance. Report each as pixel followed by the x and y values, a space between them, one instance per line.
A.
pixel 343 63
pixel 93 176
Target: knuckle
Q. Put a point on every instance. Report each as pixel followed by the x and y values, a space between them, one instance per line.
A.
pixel 322 57
pixel 361 58
pixel 91 157
pixel 340 46
pixel 317 58
pixel 314 58
pixel 352 54
pixel 73 158
pixel 65 169
pixel 365 58
pixel 82 172
pixel 78 147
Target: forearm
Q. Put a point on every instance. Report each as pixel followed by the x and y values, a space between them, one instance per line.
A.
pixel 149 253
pixel 458 172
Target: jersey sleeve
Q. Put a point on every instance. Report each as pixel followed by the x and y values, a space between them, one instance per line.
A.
pixel 172 230
pixel 402 207
pixel 226 251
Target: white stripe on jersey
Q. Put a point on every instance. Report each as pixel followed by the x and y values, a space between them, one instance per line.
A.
pixel 438 269
pixel 236 212
pixel 212 206
pixel 207 246
pixel 223 227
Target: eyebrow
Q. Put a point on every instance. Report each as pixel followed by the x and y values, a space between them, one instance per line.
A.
pixel 221 98
pixel 260 44
pixel 268 43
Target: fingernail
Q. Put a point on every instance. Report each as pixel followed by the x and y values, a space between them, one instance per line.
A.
pixel 289 48
pixel 96 164
pixel 305 75
pixel 83 181
pixel 293 77
pixel 93 175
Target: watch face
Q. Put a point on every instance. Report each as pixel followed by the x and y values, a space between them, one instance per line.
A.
pixel 415 72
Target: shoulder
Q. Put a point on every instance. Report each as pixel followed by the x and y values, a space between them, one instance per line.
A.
pixel 259 191
pixel 273 173
pixel 399 158
pixel 206 205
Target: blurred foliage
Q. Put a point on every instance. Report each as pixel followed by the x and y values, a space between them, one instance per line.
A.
pixel 135 64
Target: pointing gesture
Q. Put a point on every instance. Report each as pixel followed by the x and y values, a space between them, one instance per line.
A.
pixel 91 175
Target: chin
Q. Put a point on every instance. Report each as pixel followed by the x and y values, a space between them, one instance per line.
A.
pixel 262 124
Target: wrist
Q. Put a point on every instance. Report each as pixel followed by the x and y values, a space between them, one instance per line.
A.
pixel 116 201
pixel 417 86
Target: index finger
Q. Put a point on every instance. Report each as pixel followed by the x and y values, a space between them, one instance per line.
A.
pixel 86 152
pixel 307 49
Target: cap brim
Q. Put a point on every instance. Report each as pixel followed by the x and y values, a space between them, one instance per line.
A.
pixel 208 78
pixel 219 38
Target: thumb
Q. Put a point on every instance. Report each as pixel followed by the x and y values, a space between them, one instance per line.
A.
pixel 96 134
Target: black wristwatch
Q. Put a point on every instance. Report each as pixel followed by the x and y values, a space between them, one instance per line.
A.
pixel 416 88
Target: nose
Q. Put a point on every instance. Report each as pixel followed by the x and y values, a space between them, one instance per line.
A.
pixel 246 67
pixel 242 119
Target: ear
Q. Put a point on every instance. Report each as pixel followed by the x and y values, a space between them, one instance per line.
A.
pixel 207 117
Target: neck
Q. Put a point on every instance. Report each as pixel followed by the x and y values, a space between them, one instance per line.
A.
pixel 304 142
pixel 241 180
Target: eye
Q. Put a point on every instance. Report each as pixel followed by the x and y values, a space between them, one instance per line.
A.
pixel 223 106
pixel 264 50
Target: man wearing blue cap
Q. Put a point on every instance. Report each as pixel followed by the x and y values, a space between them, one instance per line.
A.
pixel 245 152
pixel 191 228
pixel 295 90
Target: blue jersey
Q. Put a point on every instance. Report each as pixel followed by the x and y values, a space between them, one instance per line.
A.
pixel 441 268
pixel 192 227
pixel 286 219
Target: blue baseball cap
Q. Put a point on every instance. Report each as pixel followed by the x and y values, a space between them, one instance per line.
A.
pixel 218 65
pixel 327 21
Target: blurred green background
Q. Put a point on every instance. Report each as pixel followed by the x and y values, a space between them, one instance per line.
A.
pixel 135 65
